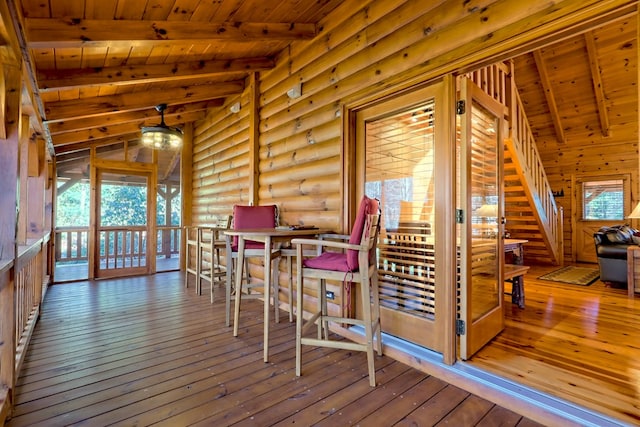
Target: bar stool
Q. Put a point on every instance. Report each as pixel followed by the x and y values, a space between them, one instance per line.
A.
pixel 356 265
pixel 246 217
pixel 192 254
pixel 211 243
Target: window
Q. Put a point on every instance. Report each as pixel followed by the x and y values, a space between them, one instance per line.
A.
pixel 603 200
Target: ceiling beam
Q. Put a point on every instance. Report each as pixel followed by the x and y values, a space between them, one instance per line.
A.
pixel 74 32
pixel 78 108
pixel 136 74
pixel 173 114
pixel 163 176
pixel 120 129
pixel 548 93
pixel 86 145
pixel 596 78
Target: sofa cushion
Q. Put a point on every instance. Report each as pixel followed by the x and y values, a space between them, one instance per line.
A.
pixel 612 251
pixel 617 234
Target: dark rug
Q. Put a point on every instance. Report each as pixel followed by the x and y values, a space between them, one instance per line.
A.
pixel 573 275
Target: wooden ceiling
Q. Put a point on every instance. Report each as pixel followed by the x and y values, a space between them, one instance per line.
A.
pixel 583 91
pixel 99 67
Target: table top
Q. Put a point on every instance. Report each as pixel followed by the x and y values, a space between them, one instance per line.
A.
pixel 275 232
pixel 515 241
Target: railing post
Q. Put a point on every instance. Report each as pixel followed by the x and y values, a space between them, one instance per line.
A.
pixel 7 333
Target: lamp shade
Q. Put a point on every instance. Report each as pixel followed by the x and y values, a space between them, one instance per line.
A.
pixel 487 211
pixel 635 214
pixel 162 137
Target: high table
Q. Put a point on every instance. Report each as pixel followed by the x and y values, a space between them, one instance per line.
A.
pixel 268 236
pixel 516 247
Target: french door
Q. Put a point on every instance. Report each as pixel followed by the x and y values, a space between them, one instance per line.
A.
pixel 480 229
pixel 404 157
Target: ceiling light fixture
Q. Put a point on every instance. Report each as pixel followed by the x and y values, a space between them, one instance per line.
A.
pixel 161 136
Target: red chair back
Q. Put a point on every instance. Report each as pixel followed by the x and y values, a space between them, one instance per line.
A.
pixel 368 206
pixel 245 217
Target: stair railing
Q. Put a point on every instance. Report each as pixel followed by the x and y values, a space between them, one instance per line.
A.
pixel 522 145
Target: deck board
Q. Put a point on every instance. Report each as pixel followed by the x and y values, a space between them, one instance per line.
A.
pixel 146 350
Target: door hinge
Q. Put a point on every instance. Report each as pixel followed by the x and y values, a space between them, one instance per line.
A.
pixel 460 327
pixel 459 216
pixel 460 107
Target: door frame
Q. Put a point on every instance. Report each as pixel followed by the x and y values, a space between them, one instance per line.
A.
pixel 444 223
pixel 145 169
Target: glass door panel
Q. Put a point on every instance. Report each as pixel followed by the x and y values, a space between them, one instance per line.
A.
pixel 481 147
pixel 397 144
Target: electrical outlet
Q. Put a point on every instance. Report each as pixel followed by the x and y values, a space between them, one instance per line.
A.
pixel 330 295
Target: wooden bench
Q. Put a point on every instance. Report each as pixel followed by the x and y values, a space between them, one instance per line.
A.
pixel 513 273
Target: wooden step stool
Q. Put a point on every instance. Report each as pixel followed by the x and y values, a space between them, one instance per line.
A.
pixel 514 273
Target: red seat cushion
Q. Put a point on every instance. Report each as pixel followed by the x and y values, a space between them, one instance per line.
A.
pixel 346 262
pixel 252 217
pixel 333 261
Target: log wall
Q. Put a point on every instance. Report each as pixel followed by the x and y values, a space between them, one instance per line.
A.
pixel 364 48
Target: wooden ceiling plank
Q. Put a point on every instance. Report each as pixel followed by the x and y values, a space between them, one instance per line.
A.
pixel 55 79
pixel 172 112
pixel 67 8
pixel 548 93
pixel 86 145
pixel 78 108
pixel 130 9
pixel 183 10
pixel 596 78
pixel 120 129
pixel 157 11
pixel 100 9
pixel 95 134
pixel 69 32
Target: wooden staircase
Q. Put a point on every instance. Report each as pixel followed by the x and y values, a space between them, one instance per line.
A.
pixel 530 209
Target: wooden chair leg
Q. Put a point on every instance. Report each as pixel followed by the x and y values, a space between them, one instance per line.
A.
pixel 299 317
pixel 229 286
pixel 276 287
pixel 377 328
pixel 290 283
pixel 368 331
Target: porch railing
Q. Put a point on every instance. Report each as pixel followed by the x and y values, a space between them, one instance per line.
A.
pixel 168 243
pixel 23 281
pixel 72 245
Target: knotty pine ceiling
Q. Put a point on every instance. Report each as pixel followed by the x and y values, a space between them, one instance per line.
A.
pixel 99 67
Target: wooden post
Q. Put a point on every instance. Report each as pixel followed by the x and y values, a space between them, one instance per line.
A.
pixel 186 187
pixel 8 225
pixel 254 139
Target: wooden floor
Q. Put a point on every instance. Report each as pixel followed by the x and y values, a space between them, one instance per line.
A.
pixel 580 343
pixel 144 350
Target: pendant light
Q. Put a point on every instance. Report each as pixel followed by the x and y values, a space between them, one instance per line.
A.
pixel 162 137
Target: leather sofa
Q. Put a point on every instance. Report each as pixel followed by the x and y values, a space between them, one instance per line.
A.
pixel 611 248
